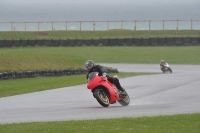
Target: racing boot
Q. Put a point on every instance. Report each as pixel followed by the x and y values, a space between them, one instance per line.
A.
pixel 122 92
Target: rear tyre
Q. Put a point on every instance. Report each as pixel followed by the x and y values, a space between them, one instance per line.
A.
pixel 162 70
pixel 125 100
pixel 102 97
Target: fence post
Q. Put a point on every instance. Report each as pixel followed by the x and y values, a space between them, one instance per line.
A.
pixel 150 25
pixel 163 24
pixel 177 27
pixel 52 25
pixel 121 24
pixel 66 26
pixel 25 26
pixel 11 26
pixel 80 25
pixel 38 26
pixel 108 25
pixel 135 26
pixel 94 26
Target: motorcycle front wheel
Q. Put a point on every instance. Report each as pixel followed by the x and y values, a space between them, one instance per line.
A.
pixel 102 97
pixel 125 100
pixel 170 70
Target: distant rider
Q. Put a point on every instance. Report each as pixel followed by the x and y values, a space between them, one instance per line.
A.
pixel 162 63
pixel 92 67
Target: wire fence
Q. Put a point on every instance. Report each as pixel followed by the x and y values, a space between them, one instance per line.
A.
pixel 101 25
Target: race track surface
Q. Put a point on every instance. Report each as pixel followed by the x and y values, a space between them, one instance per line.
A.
pixel 160 94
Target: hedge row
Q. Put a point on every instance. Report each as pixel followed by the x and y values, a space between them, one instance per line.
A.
pixel 156 41
pixel 59 72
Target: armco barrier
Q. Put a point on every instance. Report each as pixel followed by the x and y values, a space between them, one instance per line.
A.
pixel 113 41
pixel 24 43
pixel 40 42
pixel 50 72
pixel 8 43
pixel 96 42
pixel 186 41
pixel 195 40
pixel 129 41
pixel 87 42
pixel 145 41
pixel 154 41
pixel 46 42
pixel 55 43
pixel 105 42
pixel 31 43
pixel 169 41
pixel 17 43
pixel 79 42
pixel 72 42
pixel 178 41
pixel 2 43
pixel 120 42
pixel 64 43
pixel 161 41
pixel 138 41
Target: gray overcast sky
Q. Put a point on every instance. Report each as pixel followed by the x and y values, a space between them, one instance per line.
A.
pixel 89 2
pixel 29 10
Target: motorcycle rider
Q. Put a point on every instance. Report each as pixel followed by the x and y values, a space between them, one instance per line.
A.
pixel 92 67
pixel 162 63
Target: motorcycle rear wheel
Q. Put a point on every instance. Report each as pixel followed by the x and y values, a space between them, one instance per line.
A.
pixel 102 97
pixel 125 100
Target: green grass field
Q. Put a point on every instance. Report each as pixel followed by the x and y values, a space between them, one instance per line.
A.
pixel 37 58
pixel 188 123
pixel 98 34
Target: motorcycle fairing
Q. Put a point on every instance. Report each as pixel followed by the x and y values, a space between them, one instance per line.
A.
pixel 96 81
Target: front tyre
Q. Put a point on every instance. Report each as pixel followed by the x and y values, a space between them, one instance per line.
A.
pixel 102 97
pixel 125 100
pixel 170 70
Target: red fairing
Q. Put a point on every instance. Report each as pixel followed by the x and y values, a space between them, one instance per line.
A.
pixel 100 81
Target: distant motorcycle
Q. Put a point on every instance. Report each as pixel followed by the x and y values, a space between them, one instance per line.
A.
pixel 104 91
pixel 166 68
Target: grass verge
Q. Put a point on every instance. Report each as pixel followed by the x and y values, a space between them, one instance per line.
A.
pixel 98 34
pixel 188 123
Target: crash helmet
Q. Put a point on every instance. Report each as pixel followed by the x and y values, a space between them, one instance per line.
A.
pixel 162 61
pixel 89 64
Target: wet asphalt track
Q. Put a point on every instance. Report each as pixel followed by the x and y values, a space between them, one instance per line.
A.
pixel 162 94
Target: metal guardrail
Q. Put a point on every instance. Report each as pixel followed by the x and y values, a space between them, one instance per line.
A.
pixel 101 25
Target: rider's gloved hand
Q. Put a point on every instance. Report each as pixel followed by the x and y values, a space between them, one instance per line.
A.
pixel 104 75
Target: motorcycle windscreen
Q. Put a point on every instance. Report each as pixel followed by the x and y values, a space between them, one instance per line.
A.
pixel 92 75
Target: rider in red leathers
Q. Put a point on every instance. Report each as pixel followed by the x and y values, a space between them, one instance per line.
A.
pixel 91 67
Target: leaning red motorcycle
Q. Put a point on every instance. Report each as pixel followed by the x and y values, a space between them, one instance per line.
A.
pixel 104 91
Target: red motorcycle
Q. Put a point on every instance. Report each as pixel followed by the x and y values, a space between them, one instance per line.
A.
pixel 105 92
